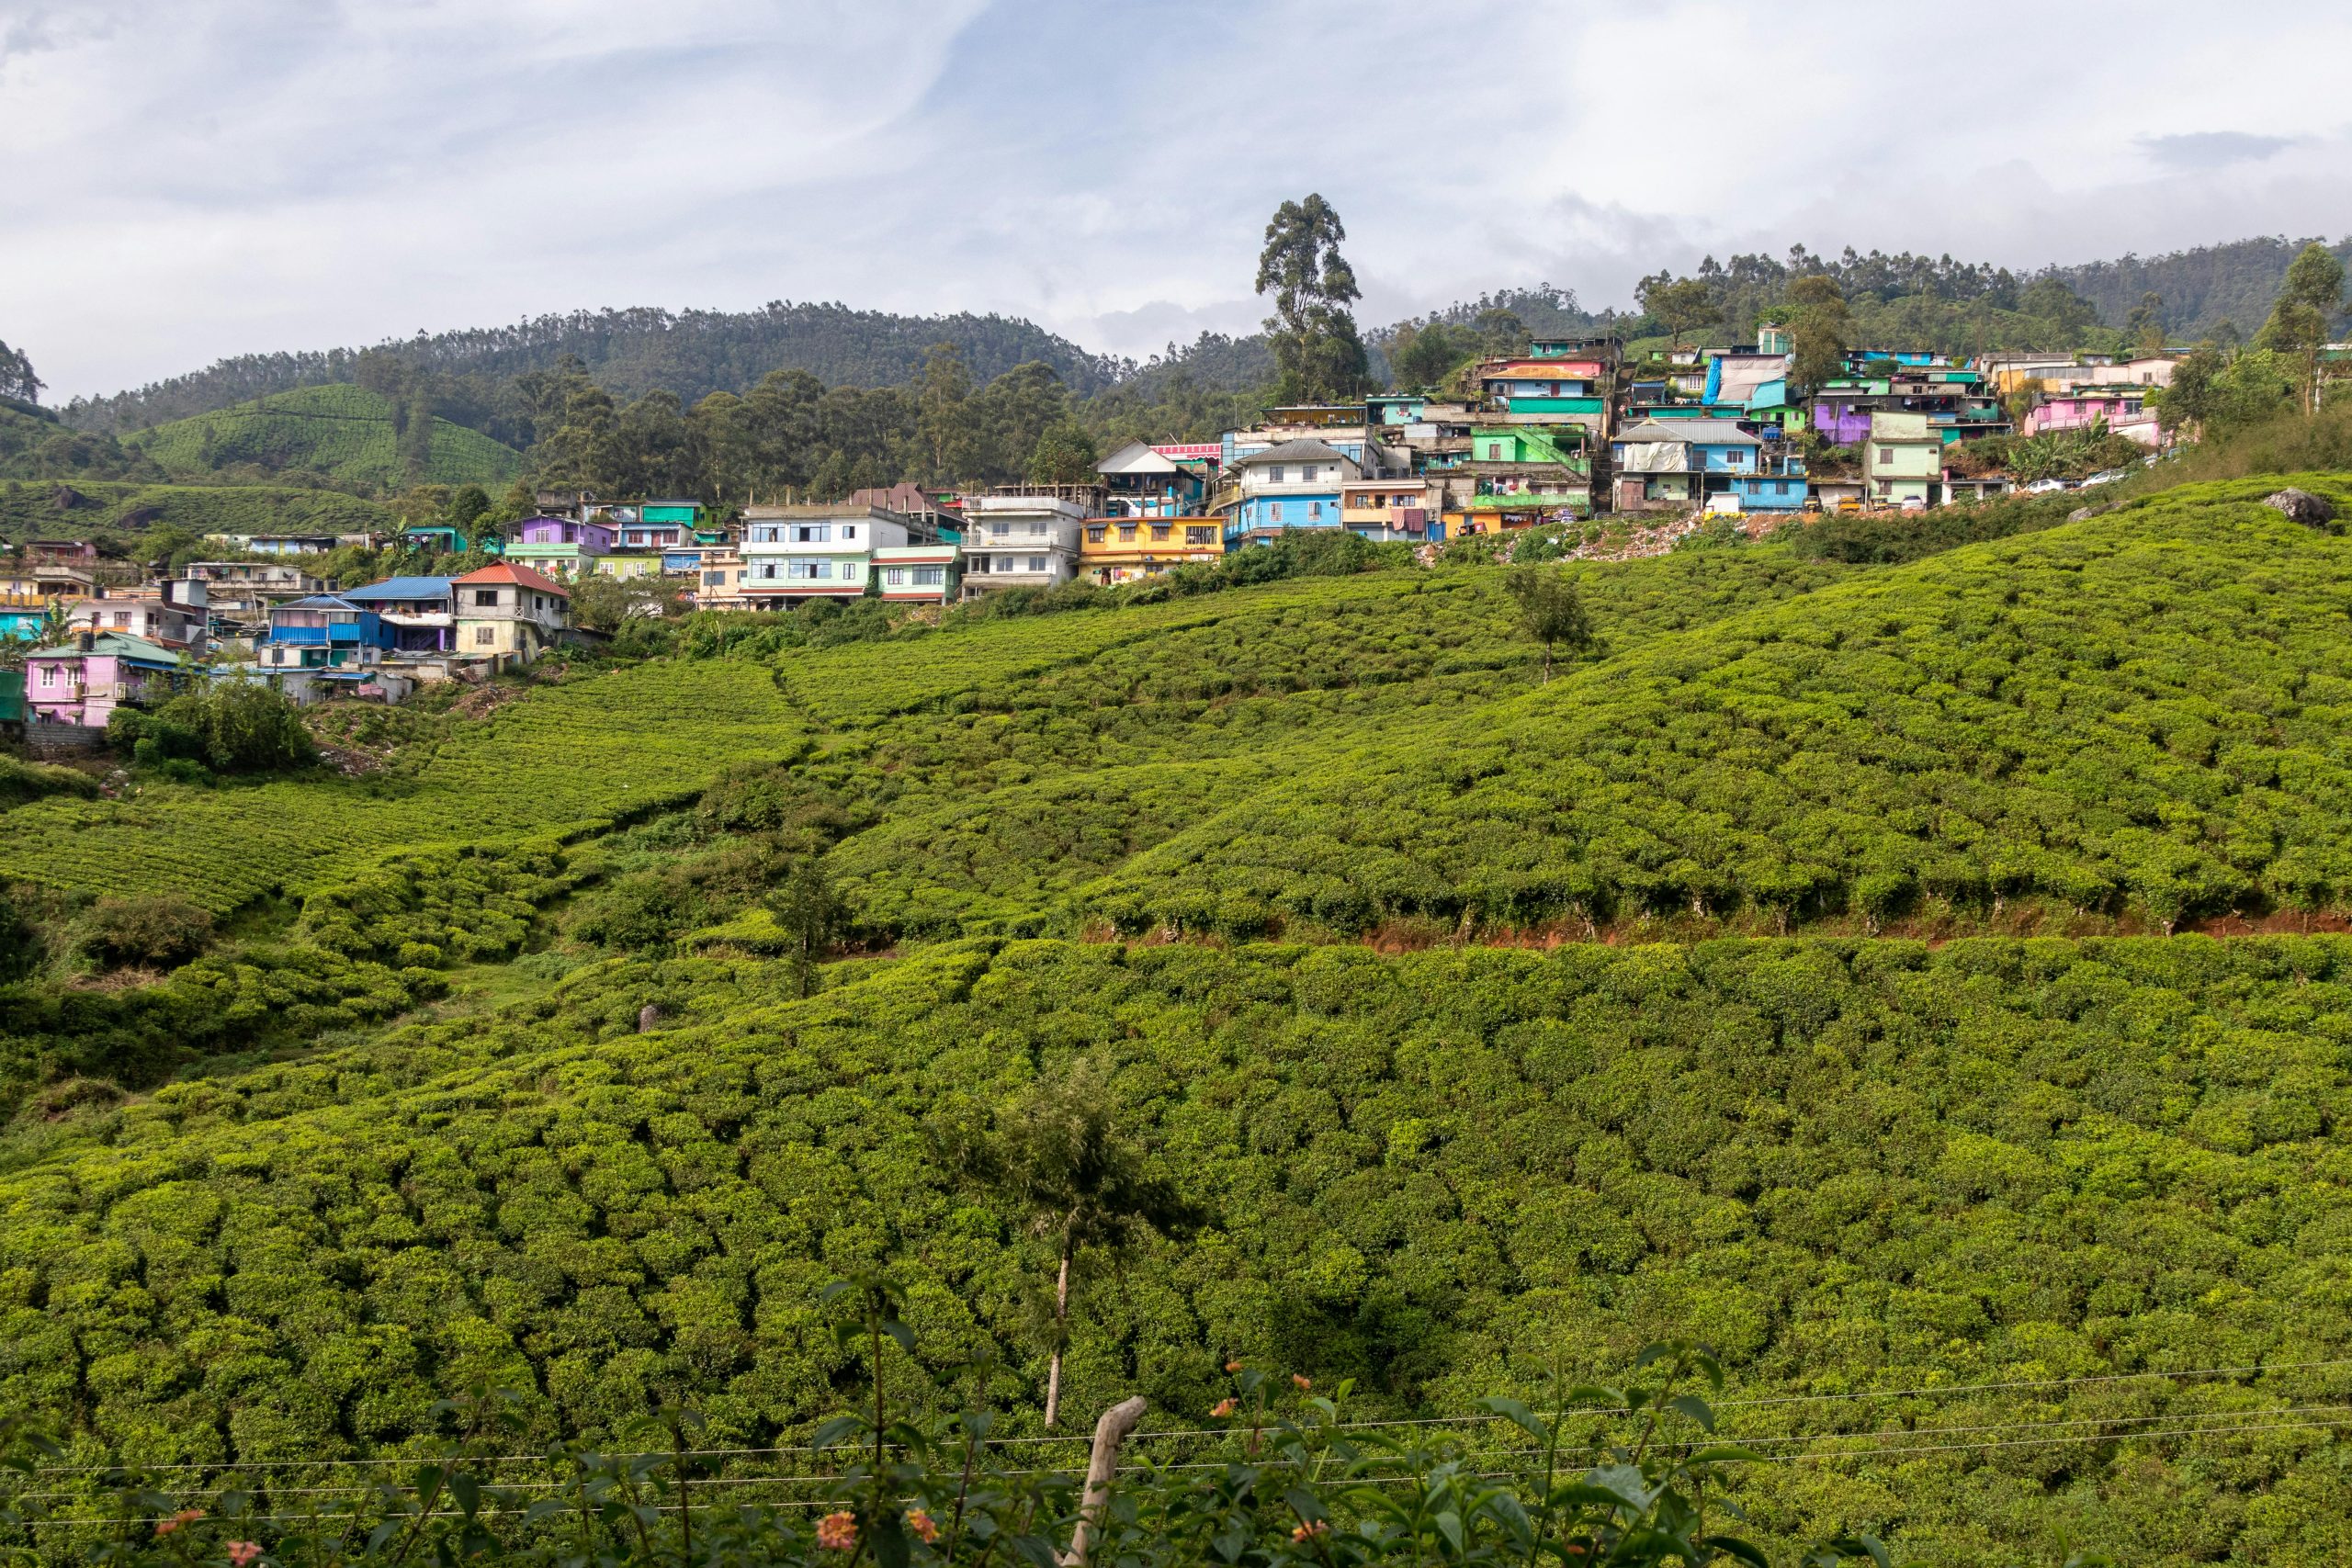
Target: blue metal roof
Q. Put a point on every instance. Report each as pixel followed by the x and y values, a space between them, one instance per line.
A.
pixel 323 602
pixel 402 588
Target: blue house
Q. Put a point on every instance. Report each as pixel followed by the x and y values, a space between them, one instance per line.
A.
pixel 324 632
pixel 1294 485
pixel 420 611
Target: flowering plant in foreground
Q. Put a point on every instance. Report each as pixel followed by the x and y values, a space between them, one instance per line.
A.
pixel 1622 1476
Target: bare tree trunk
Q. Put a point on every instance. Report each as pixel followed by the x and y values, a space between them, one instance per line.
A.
pixel 1109 1434
pixel 1061 1333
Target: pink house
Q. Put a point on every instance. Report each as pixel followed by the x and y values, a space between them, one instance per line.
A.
pixel 2124 410
pixel 84 680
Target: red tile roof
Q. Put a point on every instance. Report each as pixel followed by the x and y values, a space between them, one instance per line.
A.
pixel 521 576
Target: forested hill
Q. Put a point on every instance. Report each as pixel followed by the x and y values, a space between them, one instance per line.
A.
pixel 631 352
pixel 2201 288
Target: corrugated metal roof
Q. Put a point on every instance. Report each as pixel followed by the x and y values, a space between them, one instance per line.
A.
pixel 1300 451
pixel 1706 431
pixel 402 588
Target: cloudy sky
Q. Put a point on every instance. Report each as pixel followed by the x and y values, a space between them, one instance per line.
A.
pixel 208 178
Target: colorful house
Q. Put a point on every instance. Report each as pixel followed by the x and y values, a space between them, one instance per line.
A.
pixel 1665 463
pixel 1524 474
pixel 324 632
pixel 84 680
pixel 2123 410
pixel 446 540
pixel 1127 550
pixel 419 610
pixel 559 547
pixel 1139 480
pixel 793 553
pixel 1294 485
pixel 509 613
pixel 1902 460
pixel 1954 402
pixel 1391 509
pixel 654 525
pixel 919 574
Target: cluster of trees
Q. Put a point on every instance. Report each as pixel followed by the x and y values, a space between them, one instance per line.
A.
pixel 2221 388
pixel 793 433
pixel 1847 1167
pixel 17 381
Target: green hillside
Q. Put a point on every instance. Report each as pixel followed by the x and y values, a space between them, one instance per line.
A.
pixel 343 432
pixel 2014 1235
pixel 47 509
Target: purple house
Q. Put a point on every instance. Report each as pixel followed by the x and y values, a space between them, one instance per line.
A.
pixel 559 546
pixel 84 680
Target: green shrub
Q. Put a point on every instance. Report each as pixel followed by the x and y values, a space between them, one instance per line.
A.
pixel 155 931
pixel 21 782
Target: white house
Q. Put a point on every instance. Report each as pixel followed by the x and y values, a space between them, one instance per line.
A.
pixel 792 554
pixel 1019 541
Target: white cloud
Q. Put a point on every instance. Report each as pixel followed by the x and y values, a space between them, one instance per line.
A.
pixel 233 175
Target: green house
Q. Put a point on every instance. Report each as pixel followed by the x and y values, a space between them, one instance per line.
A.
pixel 1525 443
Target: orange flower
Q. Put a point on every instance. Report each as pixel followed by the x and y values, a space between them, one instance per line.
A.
pixel 1233 1366
pixel 241 1553
pixel 1303 1380
pixel 923 1525
pixel 185 1516
pixel 1224 1408
pixel 837 1531
pixel 1313 1531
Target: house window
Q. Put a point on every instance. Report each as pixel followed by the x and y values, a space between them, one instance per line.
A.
pixel 1037 563
pixel 1276 509
pixel 812 533
pixel 485 596
pixel 48 675
pixel 930 576
pixel 894 577
pixel 1200 535
pixel 1159 530
pixel 484 636
pixel 849 530
pixel 1096 535
pixel 809 568
pixel 1887 454
pixel 999 530
pixel 1886 487
pixel 1315 512
pixel 1274 474
pixel 1126 532
pixel 713 579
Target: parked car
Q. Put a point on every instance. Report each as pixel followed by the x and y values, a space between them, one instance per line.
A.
pixel 2106 476
pixel 2043 487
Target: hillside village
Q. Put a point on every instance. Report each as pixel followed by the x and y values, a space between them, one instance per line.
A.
pixel 1573 431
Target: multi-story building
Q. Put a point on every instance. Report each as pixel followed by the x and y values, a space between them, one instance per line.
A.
pixel 1016 540
pixel 173 613
pixel 1525 474
pixel 1391 509
pixel 1295 485
pixel 1127 550
pixel 1955 403
pixel 652 525
pixel 560 547
pixel 509 613
pixel 1903 461
pixel 420 611
pixel 1664 464
pixel 324 631
pixel 794 554
pixel 1143 480
pixel 83 680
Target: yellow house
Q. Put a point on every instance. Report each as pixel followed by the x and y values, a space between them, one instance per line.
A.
pixel 1388 509
pixel 1127 550
pixel 508 614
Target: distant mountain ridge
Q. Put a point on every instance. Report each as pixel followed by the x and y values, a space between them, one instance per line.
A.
pixel 632 351
pixel 693 352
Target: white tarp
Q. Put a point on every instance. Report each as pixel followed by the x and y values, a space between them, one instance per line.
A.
pixel 1655 457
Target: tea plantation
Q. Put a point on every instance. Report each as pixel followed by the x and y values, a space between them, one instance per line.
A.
pixel 1829 965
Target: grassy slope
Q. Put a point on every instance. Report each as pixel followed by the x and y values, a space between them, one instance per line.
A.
pixel 342 431
pixel 29 509
pixel 2145 710
pixel 563 758
pixel 1847 1166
